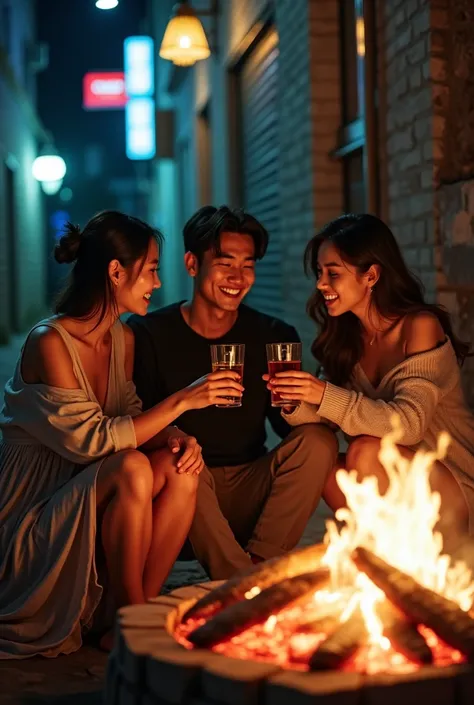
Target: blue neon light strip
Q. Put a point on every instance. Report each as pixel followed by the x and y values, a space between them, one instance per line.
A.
pixel 140 128
pixel 139 66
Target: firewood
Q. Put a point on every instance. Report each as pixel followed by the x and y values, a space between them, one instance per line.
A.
pixel 420 604
pixel 236 618
pixel 339 646
pixel 262 576
pixel 320 625
pixel 403 634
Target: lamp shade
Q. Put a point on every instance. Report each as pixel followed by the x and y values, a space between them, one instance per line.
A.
pixel 184 41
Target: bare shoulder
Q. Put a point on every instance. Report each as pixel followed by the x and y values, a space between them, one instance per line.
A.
pixel 423 331
pixel 129 350
pixel 44 344
pixel 46 359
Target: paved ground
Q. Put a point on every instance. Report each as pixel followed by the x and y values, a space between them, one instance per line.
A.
pixel 78 679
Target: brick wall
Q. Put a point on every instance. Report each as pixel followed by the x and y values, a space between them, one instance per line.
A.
pixel 406 141
pixel 427 147
pixel 310 112
pixel 452 64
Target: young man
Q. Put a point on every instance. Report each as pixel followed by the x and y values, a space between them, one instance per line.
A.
pixel 252 504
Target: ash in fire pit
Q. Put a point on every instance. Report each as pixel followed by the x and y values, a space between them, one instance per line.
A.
pixel 379 596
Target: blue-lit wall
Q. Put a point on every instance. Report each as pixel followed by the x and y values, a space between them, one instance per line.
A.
pixel 22 247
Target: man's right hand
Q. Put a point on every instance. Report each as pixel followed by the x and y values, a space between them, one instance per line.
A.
pixel 211 389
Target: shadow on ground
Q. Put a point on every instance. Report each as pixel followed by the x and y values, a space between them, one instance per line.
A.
pixel 67 680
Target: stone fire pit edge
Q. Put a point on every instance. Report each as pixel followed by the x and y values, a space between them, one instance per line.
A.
pixel 148 667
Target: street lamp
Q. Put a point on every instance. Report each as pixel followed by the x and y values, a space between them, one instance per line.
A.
pixel 106 4
pixel 184 41
pixel 49 169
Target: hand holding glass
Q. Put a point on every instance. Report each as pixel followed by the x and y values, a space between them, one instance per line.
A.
pixel 282 357
pixel 229 357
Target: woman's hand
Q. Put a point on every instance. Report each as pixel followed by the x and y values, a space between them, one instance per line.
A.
pixel 190 461
pixel 212 389
pixel 296 386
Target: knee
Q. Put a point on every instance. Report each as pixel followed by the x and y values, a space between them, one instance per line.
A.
pixel 135 476
pixel 164 464
pixel 320 441
pixel 183 487
pixel 188 484
pixel 362 452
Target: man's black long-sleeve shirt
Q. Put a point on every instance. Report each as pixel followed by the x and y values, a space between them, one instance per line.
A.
pixel 170 355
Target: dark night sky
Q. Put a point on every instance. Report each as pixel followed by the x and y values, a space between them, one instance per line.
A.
pixel 82 38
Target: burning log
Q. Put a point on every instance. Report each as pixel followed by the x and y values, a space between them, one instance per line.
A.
pixel 339 646
pixel 236 618
pixel 403 634
pixel 322 625
pixel 262 576
pixel 421 605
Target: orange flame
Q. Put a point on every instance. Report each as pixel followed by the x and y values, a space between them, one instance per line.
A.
pixel 398 526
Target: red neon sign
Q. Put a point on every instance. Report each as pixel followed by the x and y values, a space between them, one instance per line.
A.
pixel 103 90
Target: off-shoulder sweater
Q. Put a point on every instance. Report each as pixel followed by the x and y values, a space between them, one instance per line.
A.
pixel 425 391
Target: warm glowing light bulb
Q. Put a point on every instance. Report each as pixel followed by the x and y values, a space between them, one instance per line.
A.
pixel 184 41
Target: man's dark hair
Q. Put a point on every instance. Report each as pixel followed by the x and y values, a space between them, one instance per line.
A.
pixel 203 230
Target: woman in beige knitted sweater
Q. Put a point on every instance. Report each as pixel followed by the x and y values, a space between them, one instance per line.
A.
pixel 383 349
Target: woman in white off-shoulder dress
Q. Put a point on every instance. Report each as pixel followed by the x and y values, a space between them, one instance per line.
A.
pixel 96 496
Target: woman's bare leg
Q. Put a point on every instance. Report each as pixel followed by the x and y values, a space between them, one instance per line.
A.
pixel 173 511
pixel 362 456
pixel 124 502
pixel 332 493
pixel 159 482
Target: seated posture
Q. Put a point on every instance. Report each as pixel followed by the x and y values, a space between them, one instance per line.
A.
pixel 249 501
pixel 94 493
pixel 383 350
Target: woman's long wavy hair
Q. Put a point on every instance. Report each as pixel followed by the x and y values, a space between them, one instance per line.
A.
pixel 363 240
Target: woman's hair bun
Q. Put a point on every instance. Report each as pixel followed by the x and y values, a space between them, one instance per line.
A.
pixel 67 248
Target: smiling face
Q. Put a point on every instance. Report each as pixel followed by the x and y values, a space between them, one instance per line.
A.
pixel 135 287
pixel 343 287
pixel 222 280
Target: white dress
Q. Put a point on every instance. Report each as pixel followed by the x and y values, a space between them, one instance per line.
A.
pixel 54 441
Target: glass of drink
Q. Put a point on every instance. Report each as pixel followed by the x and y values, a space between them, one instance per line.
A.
pixel 282 357
pixel 229 357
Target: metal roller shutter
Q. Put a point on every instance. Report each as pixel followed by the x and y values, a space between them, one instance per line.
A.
pixel 260 141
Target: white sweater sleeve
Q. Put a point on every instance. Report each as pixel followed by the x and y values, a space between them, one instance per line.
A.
pixel 414 401
pixel 304 413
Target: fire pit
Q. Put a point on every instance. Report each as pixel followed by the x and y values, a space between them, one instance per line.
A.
pixel 375 615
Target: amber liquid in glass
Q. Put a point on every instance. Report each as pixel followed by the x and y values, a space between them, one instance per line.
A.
pixel 282 366
pixel 232 401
